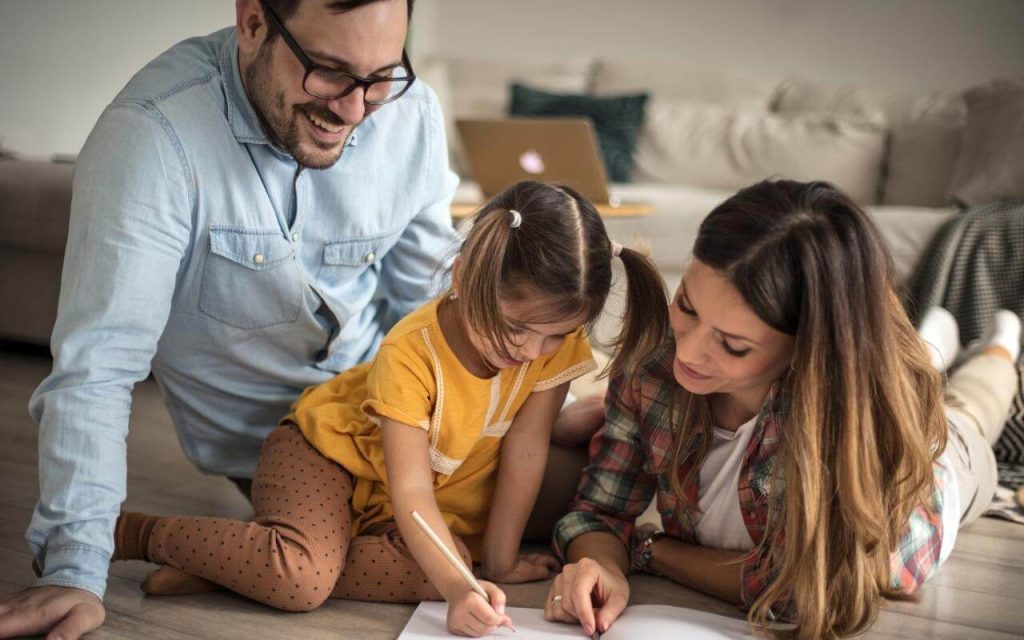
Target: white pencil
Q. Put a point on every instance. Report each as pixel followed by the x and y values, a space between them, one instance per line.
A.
pixel 454 560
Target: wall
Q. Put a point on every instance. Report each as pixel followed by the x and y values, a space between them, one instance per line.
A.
pixel 61 61
pixel 916 45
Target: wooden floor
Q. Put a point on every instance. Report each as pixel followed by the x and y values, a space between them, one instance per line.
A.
pixel 979 593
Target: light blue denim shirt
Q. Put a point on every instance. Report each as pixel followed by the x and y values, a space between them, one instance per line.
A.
pixel 199 250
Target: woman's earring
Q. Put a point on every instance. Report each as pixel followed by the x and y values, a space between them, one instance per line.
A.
pixel 453 296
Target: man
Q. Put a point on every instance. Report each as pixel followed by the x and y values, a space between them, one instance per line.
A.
pixel 250 215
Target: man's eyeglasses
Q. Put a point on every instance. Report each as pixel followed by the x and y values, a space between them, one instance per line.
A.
pixel 331 84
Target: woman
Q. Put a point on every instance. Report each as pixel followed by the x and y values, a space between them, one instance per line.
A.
pixel 795 435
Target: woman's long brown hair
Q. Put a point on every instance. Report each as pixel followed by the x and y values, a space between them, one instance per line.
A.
pixel 862 407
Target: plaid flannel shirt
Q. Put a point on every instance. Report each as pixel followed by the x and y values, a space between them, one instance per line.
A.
pixel 629 464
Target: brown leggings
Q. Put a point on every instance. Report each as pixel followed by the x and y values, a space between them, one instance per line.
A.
pixel 291 556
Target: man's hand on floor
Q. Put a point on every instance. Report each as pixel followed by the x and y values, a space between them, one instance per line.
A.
pixel 62 613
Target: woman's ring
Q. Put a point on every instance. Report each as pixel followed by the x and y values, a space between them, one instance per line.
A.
pixel 556 600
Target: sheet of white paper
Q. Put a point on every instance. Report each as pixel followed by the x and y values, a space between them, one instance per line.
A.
pixel 650 622
pixel 664 622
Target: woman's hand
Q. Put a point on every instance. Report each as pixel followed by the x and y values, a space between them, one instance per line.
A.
pixel 469 614
pixel 588 592
pixel 62 612
pixel 527 568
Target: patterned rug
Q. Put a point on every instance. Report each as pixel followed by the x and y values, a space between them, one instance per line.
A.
pixel 1006 504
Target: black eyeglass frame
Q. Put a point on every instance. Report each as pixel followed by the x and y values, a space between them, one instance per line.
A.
pixel 358 81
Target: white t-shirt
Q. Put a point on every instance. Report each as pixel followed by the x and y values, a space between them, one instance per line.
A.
pixel 721 522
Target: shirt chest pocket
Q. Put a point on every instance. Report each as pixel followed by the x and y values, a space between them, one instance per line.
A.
pixel 348 261
pixel 250 280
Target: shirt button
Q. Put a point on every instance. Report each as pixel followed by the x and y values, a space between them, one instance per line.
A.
pixel 295 237
pixel 370 257
pixel 258 258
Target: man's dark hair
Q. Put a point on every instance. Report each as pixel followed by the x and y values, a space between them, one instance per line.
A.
pixel 285 8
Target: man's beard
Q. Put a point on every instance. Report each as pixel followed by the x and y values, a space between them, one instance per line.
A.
pixel 272 111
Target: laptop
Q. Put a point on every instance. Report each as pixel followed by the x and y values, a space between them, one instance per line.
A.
pixel 564 150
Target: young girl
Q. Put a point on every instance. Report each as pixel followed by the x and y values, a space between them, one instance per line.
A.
pixel 451 419
pixel 795 434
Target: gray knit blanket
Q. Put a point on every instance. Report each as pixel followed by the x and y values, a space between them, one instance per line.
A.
pixel 973 266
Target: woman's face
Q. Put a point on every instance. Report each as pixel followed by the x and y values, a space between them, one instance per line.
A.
pixel 722 346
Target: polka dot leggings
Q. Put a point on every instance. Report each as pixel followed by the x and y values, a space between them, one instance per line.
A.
pixel 298 550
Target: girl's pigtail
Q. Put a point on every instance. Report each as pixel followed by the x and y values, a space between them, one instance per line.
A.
pixel 480 274
pixel 645 325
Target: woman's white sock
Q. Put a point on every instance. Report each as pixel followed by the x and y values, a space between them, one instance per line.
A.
pixel 1003 331
pixel 941 335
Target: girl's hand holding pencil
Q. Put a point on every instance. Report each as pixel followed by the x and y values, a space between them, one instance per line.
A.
pixel 475 608
pixel 470 614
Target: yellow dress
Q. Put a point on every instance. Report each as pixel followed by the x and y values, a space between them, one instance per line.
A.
pixel 417 380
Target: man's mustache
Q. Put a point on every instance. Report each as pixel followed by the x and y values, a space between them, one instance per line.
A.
pixel 322 113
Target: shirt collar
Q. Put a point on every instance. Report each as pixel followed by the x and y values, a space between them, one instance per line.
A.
pixel 242 118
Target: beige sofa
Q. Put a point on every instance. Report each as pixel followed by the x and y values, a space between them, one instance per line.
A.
pixel 708 133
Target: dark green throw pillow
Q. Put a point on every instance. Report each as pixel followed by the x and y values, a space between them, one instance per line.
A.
pixel 617 121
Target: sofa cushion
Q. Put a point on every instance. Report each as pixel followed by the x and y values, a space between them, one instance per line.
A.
pixel 617 120
pixel 924 140
pixel 907 231
pixel 991 163
pixel 920 163
pixel 715 147
pixel 680 81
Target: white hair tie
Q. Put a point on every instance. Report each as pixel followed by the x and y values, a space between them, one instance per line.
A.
pixel 517 218
pixel 616 249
